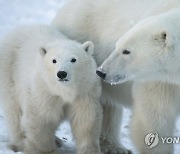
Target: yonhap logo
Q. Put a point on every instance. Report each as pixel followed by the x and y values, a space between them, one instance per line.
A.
pixel 152 140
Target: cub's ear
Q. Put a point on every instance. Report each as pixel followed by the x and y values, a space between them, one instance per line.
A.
pixel 43 51
pixel 88 47
pixel 164 38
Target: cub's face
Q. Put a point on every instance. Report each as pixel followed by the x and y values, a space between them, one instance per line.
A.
pixel 146 52
pixel 67 62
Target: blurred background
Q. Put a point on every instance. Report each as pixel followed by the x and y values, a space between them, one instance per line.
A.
pixel 18 12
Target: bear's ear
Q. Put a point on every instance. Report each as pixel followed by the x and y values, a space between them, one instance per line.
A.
pixel 164 39
pixel 43 51
pixel 88 47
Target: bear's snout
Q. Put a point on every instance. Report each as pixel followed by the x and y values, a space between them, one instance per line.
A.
pixel 62 75
pixel 101 74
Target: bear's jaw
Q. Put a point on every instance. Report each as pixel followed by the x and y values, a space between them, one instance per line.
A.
pixel 63 80
pixel 116 79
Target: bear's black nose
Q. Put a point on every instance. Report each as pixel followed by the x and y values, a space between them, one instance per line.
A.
pixel 61 74
pixel 101 74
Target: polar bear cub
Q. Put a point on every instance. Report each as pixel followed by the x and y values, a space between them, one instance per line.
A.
pixel 44 78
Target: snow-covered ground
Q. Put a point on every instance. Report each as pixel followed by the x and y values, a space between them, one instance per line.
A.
pixel 18 12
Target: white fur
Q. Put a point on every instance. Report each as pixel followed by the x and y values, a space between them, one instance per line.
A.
pixel 104 22
pixel 153 45
pixel 154 56
pixel 35 101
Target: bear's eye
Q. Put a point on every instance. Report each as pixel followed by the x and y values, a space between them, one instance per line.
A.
pixel 126 52
pixel 73 60
pixel 54 61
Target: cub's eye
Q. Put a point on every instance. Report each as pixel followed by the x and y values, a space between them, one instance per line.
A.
pixel 54 61
pixel 126 52
pixel 73 60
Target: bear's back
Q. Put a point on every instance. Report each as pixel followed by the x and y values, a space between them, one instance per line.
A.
pixel 104 21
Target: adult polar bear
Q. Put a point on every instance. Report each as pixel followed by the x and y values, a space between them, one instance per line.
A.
pixel 104 22
pixel 153 62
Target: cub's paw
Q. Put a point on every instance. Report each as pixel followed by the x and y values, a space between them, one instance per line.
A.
pixel 114 150
pixel 16 147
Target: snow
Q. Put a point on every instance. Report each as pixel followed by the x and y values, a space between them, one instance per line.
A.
pixel 19 12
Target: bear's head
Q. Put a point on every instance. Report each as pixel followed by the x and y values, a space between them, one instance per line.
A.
pixel 68 64
pixel 149 51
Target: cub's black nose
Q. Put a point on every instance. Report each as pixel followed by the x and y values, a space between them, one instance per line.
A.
pixel 101 74
pixel 61 74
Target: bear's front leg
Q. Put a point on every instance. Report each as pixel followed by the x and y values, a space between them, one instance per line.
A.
pixel 40 137
pixel 110 133
pixel 40 123
pixel 86 117
pixel 154 116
